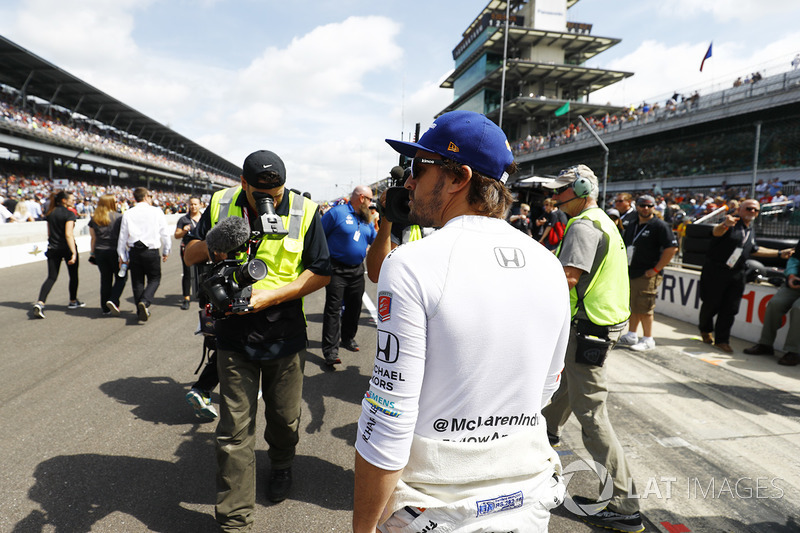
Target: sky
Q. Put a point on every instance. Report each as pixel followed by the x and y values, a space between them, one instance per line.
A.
pixel 323 83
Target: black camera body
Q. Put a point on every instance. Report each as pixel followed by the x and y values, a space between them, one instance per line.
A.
pixel 229 285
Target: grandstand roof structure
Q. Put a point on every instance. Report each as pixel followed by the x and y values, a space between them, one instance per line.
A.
pixel 34 76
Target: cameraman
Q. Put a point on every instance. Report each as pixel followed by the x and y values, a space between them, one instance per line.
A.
pixel 266 343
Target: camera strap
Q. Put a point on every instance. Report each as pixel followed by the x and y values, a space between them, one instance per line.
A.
pixel 209 346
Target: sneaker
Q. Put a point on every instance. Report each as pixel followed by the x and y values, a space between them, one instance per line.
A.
pixel 185 305
pixel 555 440
pixel 76 304
pixel 113 308
pixel 759 349
pixel 331 360
pixel 351 345
pixel 280 481
pixel 606 518
pixel 38 310
pixel 647 343
pixel 142 311
pixel 201 403
pixel 629 339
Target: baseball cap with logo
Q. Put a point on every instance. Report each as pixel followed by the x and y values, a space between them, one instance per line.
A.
pixel 258 166
pixel 569 175
pixel 468 138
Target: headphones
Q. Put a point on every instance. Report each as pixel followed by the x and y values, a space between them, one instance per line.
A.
pixel 582 187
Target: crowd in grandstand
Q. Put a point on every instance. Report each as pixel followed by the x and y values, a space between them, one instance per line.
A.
pixel 644 113
pixel 25 198
pixel 640 114
pixel 58 126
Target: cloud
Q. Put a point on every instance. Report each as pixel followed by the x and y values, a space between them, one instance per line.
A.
pixel 307 100
pixel 423 104
pixel 330 61
pixel 92 34
pixel 726 10
pixel 660 69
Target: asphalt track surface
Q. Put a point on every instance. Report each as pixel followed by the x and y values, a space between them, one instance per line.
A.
pixel 96 434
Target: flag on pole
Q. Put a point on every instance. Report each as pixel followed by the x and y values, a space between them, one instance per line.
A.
pixel 708 54
pixel 564 109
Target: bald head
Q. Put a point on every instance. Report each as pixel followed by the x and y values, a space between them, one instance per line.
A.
pixel 360 200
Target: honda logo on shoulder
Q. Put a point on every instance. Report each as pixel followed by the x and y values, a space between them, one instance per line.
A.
pixel 388 347
pixel 510 257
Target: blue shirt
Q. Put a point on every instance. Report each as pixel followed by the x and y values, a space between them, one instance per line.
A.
pixel 348 235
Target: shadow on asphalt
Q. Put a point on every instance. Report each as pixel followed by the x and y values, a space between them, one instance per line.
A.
pixel 77 491
pixel 349 385
pixel 160 400
pixel 314 481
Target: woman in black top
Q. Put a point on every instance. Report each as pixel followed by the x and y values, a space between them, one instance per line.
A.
pixel 185 225
pixel 61 246
pixel 104 228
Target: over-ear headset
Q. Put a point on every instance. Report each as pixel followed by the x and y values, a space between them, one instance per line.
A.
pixel 582 187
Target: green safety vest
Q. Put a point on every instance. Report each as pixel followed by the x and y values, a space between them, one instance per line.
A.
pixel 607 298
pixel 284 257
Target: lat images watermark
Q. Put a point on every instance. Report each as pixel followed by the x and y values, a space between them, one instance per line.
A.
pixel 670 487
pixel 697 488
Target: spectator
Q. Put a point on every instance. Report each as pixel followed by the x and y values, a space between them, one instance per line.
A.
pixel 6 215
pixel 142 233
pixel 61 246
pixel 349 233
pixel 21 213
pixel 651 246
pixel 785 301
pixel 522 221
pixel 557 222
pixel 627 213
pixel 104 229
pixel 34 207
pixel 185 225
pixel 722 281
pixel 613 214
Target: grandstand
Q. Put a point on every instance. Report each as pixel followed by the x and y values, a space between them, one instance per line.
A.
pixel 56 126
pixel 698 142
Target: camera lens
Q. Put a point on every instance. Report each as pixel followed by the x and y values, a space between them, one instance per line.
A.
pixel 250 272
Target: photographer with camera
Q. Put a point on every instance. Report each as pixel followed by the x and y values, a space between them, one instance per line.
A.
pixel 262 330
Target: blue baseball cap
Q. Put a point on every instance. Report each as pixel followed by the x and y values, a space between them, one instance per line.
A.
pixel 468 138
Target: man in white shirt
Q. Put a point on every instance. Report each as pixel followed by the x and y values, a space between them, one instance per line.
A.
pixel 142 233
pixel 34 207
pixel 6 215
pixel 474 323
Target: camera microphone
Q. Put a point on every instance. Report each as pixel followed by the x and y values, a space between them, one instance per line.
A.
pixel 227 235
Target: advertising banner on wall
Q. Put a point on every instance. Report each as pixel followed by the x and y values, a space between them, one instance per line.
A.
pixel 678 297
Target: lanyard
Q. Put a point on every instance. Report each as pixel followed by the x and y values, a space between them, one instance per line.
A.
pixel 745 235
pixel 640 231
